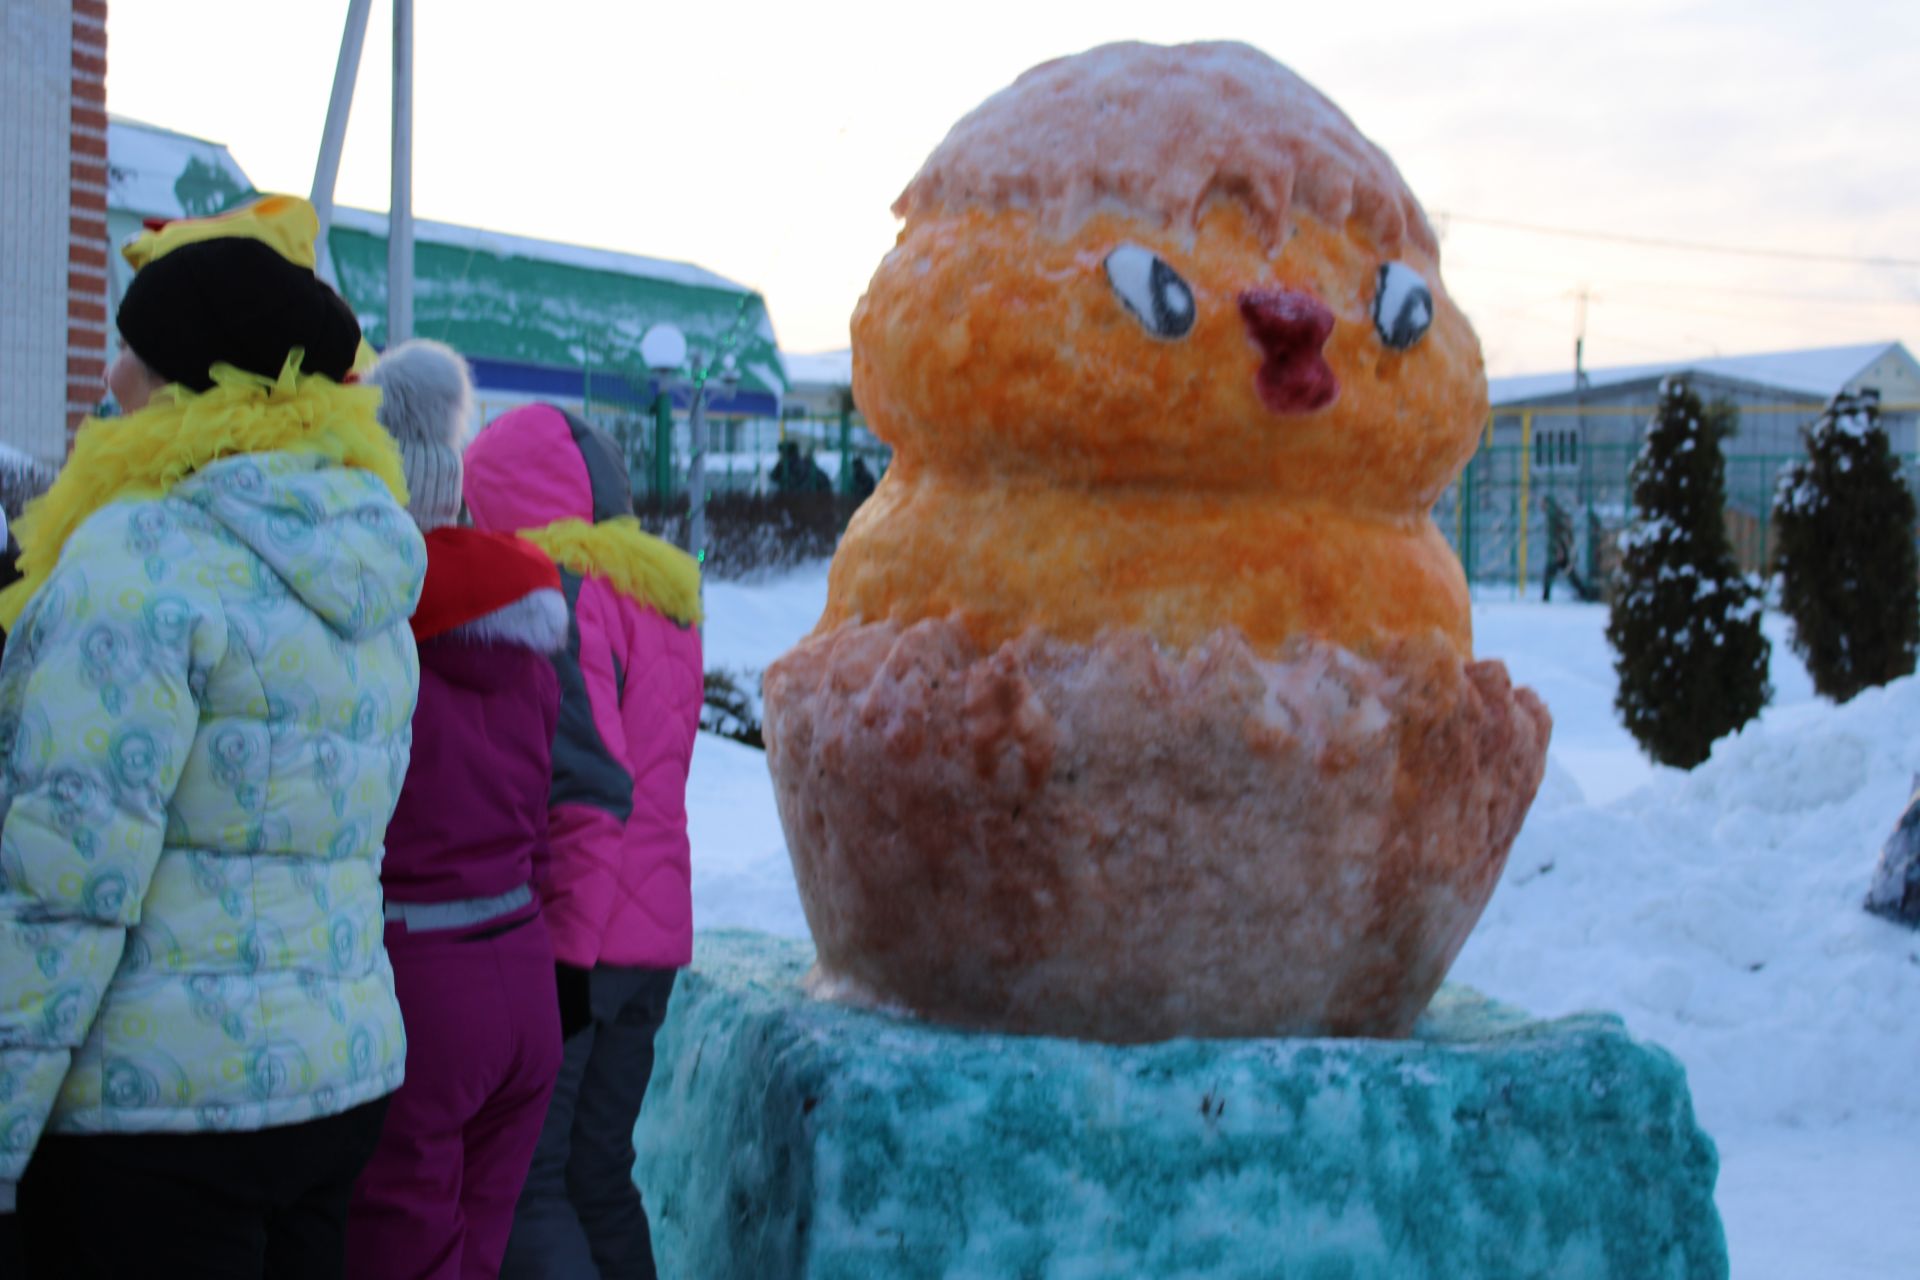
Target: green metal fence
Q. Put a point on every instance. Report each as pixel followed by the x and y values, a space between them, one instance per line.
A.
pixel 742 453
pixel 1499 515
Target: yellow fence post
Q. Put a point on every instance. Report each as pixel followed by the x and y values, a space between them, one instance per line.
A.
pixel 1526 512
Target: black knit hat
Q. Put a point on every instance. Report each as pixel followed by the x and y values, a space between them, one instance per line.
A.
pixel 234 300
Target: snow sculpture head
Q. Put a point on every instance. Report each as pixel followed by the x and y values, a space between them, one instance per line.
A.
pixel 1069 212
pixel 1144 701
pixel 1182 268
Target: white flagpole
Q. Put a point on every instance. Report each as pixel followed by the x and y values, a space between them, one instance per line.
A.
pixel 400 205
pixel 334 137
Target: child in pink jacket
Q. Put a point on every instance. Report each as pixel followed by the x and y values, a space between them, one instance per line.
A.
pixel 616 893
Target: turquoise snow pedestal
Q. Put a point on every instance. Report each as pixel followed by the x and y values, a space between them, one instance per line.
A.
pixel 786 1137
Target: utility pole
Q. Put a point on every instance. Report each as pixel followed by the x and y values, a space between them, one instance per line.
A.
pixel 333 138
pixel 400 203
pixel 1580 341
pixel 1584 458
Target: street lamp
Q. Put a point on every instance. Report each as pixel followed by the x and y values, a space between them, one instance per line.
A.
pixel 664 349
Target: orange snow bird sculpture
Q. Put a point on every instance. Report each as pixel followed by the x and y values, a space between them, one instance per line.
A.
pixel 1144 703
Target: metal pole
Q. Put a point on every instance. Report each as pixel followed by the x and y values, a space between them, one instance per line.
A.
pixel 846 442
pixel 663 444
pixel 1526 511
pixel 333 139
pixel 697 475
pixel 400 204
pixel 1469 559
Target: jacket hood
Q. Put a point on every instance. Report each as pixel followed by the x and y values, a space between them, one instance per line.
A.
pixel 538 464
pixel 490 588
pixel 331 535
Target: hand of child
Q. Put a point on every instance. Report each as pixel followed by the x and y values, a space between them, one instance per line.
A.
pixel 576 1002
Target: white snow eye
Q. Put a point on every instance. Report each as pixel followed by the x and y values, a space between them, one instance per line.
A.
pixel 1402 305
pixel 1152 290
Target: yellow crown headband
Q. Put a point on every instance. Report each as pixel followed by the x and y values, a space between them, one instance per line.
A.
pixel 286 224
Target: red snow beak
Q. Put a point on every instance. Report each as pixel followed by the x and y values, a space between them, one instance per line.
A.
pixel 1290 326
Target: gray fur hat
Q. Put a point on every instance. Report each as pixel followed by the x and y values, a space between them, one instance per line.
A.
pixel 426 401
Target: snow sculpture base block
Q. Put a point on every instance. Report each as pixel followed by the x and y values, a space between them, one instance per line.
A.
pixel 785 1136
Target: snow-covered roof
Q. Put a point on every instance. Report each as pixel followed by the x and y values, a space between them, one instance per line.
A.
pixel 820 368
pixel 544 305
pixel 152 172
pixel 1817 372
pixel 501 244
pixel 157 173
pixel 494 295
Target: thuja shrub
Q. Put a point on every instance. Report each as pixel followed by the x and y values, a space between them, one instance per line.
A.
pixel 1849 575
pixel 1684 623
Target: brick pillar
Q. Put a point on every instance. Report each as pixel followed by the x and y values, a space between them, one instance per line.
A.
pixel 88 324
pixel 36 86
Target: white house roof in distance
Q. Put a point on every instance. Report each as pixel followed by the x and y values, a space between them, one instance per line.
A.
pixel 158 173
pixel 1817 373
pixel 820 368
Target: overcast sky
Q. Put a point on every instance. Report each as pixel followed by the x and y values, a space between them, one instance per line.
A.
pixel 766 140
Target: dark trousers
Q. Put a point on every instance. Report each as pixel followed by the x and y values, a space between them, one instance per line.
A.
pixel 264 1205
pixel 580 1215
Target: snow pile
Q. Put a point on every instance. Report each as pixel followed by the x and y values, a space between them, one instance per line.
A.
pixel 749 624
pixel 742 876
pixel 1720 913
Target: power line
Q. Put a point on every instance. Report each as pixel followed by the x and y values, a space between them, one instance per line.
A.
pixel 1609 290
pixel 1649 304
pixel 1689 246
pixel 1775 295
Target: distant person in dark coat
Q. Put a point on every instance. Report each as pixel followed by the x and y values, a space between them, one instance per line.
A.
pixel 795 472
pixel 1560 555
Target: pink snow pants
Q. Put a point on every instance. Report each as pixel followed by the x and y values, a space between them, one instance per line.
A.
pixel 483 1049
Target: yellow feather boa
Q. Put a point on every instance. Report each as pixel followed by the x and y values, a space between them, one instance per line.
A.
pixel 640 566
pixel 145 454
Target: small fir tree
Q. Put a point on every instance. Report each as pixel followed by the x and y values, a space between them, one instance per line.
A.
pixel 1685 624
pixel 1849 576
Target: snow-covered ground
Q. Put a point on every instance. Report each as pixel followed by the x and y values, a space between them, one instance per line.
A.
pixel 1718 912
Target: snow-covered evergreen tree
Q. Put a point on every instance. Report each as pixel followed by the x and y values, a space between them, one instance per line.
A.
pixel 1685 624
pixel 1849 575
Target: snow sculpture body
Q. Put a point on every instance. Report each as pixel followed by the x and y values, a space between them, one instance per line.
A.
pixel 1144 702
